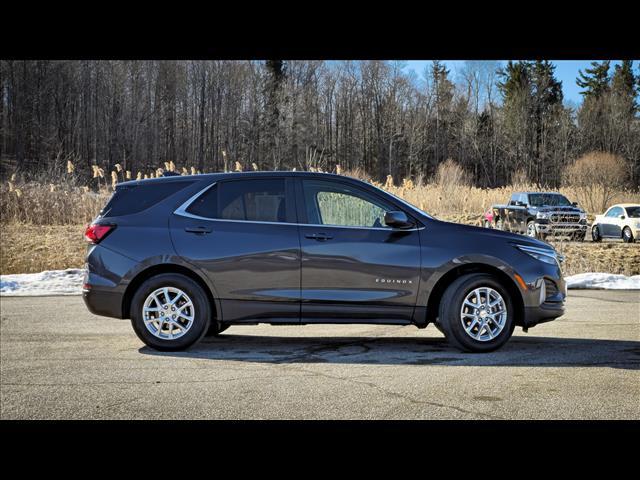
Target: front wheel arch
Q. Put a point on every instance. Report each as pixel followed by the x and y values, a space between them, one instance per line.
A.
pixel 433 303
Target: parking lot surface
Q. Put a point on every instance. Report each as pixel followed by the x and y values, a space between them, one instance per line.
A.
pixel 58 361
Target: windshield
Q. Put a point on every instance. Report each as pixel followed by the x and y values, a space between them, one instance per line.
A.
pixel 548 199
pixel 633 212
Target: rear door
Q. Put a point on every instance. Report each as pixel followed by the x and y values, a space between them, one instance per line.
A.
pixel 354 268
pixel 243 235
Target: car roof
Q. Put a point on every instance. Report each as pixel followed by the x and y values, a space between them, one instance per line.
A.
pixel 230 175
pixel 625 205
pixel 545 193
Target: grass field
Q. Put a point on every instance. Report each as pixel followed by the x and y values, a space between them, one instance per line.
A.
pixel 42 223
pixel 34 248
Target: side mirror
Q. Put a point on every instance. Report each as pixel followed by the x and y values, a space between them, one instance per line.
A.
pixel 520 204
pixel 575 204
pixel 397 219
pixel 622 217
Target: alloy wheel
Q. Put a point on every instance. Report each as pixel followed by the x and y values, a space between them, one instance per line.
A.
pixel 483 314
pixel 168 313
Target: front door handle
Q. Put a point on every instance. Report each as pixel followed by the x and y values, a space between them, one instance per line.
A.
pixel 200 230
pixel 319 236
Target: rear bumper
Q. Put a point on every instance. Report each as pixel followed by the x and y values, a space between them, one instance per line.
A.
pixel 104 284
pixel 101 302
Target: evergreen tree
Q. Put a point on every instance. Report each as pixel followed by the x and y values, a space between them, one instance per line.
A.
pixel 595 79
pixel 516 91
pixel 623 85
pixel 516 80
pixel 547 97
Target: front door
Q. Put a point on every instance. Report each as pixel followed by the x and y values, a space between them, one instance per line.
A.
pixel 610 226
pixel 242 235
pixel 354 268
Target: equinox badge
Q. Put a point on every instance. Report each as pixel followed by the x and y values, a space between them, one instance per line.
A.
pixel 392 280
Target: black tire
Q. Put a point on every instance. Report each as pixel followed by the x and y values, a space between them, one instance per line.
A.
pixel 439 327
pixel 202 311
pixel 215 329
pixel 627 235
pixel 499 224
pixel 451 304
pixel 531 226
pixel 595 234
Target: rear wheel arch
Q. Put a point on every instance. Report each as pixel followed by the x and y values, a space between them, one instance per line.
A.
pixel 433 303
pixel 149 272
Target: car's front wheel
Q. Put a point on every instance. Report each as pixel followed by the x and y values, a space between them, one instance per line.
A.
pixel 595 234
pixel 170 312
pixel 476 313
pixel 627 236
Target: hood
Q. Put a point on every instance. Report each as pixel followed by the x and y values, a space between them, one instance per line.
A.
pixel 571 209
pixel 471 231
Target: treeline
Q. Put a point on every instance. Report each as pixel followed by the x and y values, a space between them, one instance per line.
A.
pixel 496 123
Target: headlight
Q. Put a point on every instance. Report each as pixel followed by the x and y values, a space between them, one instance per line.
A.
pixel 542 215
pixel 583 215
pixel 543 254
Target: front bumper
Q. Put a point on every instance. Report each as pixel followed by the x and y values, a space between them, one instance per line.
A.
pixel 545 293
pixel 566 228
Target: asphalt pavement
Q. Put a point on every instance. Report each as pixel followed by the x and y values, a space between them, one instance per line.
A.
pixel 58 361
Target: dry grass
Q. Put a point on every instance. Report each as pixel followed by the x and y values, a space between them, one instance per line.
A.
pixel 42 222
pixel 608 256
pixel 34 248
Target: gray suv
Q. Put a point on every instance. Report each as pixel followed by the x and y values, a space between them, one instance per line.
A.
pixel 187 256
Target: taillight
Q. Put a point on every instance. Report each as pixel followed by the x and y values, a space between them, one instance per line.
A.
pixel 95 232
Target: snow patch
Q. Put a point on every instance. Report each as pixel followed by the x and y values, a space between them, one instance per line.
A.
pixel 69 282
pixel 603 281
pixel 49 282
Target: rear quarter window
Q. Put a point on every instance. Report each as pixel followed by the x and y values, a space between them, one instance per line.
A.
pixel 136 198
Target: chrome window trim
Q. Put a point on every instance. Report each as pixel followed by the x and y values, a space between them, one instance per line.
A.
pixel 182 211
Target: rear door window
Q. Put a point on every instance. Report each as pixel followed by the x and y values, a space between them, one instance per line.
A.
pixel 255 200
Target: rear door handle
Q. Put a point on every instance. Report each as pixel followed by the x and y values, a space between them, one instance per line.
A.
pixel 319 236
pixel 200 230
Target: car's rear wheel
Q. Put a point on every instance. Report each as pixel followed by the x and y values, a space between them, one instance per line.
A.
pixel 170 312
pixel 627 236
pixel 499 224
pixel 595 234
pixel 531 230
pixel 476 313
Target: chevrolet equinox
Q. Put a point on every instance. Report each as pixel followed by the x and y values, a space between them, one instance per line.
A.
pixel 185 257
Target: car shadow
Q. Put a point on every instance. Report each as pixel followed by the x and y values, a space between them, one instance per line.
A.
pixel 520 351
